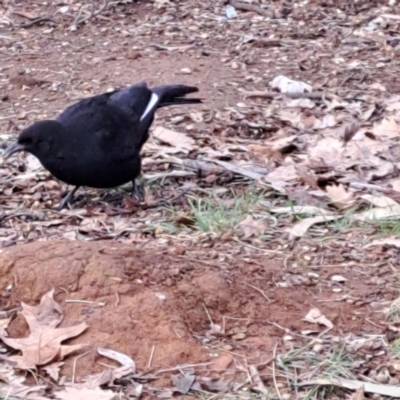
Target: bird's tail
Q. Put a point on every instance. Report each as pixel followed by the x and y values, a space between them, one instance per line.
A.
pixel 175 94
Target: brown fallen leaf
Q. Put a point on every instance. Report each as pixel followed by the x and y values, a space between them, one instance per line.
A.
pixel 391 391
pixel 23 392
pixel 273 145
pixel 387 208
pixel 381 201
pixel 388 241
pixel 3 326
pixel 284 173
pixel 176 139
pixel 74 393
pixel 251 227
pixel 340 198
pixel 308 210
pixel 388 128
pixel 395 185
pixel 54 370
pixel 12 385
pixel 299 229
pixel 358 394
pixel 43 345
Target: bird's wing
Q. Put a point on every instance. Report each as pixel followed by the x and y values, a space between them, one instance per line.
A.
pixel 95 124
pixel 90 103
pixel 138 101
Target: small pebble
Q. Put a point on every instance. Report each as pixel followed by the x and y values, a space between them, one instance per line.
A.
pixel 382 378
pixel 186 71
pixel 239 336
pixel 318 348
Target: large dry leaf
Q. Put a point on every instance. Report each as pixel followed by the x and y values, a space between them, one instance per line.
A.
pixel 389 241
pixel 273 145
pixel 377 214
pixel 308 210
pixel 328 121
pixel 23 392
pixel 299 229
pixel 386 208
pixel 74 393
pixel 236 169
pixel 330 150
pixel 383 390
pixel 395 185
pixel 387 128
pixel 43 344
pixel 12 385
pixel 284 173
pixel 175 139
pixel 381 201
pixel 340 197
pixel 251 227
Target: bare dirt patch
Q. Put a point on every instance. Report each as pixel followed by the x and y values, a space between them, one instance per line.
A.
pixel 134 301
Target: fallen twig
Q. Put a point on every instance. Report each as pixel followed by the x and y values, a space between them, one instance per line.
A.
pixel 79 21
pixel 259 291
pixel 252 7
pixel 36 21
pixel 270 95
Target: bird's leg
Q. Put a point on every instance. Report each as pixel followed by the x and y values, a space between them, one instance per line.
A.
pixel 137 191
pixel 67 200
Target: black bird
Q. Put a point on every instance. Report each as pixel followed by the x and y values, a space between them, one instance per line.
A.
pixel 96 142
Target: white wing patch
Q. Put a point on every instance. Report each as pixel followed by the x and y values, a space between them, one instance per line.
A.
pixel 152 102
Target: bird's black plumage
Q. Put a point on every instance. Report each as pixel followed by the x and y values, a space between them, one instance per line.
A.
pixel 96 142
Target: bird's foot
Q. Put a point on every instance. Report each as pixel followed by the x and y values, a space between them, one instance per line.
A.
pixel 137 192
pixel 67 200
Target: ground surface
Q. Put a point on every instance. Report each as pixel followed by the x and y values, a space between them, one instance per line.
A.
pixel 277 205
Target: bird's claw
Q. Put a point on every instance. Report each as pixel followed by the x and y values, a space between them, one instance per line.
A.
pixel 138 193
pixel 67 200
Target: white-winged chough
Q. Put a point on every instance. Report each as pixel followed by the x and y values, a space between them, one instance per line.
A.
pixel 96 142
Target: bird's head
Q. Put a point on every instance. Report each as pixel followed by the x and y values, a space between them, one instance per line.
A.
pixel 37 139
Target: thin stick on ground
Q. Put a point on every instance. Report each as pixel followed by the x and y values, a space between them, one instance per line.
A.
pixel 151 357
pixel 74 365
pixel 208 314
pixel 259 291
pixel 252 7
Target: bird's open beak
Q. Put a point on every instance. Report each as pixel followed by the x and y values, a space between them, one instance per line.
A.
pixel 13 148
